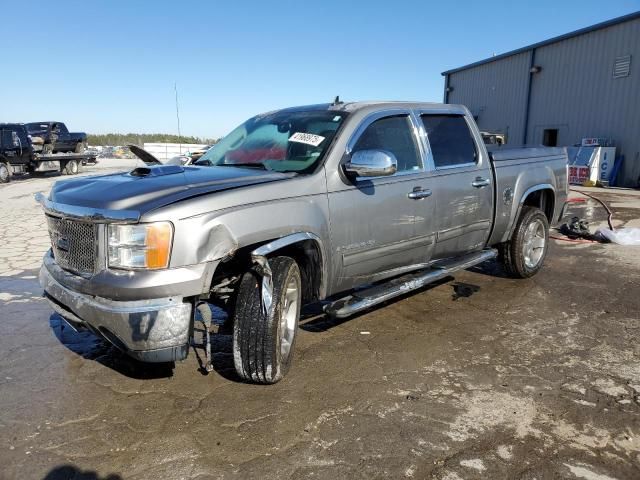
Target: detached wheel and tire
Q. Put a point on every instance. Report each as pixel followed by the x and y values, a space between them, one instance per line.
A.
pixel 5 173
pixel 523 256
pixel 71 168
pixel 263 344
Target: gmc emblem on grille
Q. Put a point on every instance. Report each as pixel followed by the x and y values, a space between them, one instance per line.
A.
pixel 63 244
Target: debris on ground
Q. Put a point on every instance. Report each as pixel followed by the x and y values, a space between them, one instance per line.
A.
pixel 578 228
pixel 622 236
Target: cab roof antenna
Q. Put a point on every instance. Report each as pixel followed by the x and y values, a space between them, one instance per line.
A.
pixel 337 100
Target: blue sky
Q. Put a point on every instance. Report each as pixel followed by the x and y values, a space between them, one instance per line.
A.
pixel 110 66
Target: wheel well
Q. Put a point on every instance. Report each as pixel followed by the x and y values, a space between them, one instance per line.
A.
pixel 543 199
pixel 307 255
pixel 309 259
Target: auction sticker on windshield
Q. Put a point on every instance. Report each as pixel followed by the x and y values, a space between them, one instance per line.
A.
pixel 308 138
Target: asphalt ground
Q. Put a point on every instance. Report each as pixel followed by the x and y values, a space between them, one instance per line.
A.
pixel 480 376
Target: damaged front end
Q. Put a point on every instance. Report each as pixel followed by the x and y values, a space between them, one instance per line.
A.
pixel 146 313
pixel 155 330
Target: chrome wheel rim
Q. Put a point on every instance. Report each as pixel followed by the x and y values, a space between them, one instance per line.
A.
pixel 4 172
pixel 534 243
pixel 74 167
pixel 288 317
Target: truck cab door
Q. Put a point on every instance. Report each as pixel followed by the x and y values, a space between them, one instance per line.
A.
pixel 463 187
pixel 62 142
pixel 11 147
pixel 21 138
pixel 373 219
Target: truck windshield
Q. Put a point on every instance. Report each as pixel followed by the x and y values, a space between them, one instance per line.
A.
pixel 280 141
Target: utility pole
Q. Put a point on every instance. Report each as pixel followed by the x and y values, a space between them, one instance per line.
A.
pixel 175 88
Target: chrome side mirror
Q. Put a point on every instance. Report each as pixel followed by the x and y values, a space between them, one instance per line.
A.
pixel 371 163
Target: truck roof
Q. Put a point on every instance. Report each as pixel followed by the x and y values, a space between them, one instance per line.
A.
pixel 373 105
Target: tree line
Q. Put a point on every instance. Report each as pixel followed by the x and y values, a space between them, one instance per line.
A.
pixel 114 139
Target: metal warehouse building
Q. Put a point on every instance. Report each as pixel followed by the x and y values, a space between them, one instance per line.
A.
pixel 557 92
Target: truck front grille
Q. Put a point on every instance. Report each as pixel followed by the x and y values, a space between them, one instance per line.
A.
pixel 74 244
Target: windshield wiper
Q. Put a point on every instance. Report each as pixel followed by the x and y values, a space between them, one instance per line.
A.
pixel 244 165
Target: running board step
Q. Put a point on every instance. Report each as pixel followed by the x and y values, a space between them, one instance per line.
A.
pixel 364 299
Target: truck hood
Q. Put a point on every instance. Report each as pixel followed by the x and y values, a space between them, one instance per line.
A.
pixel 143 155
pixel 147 188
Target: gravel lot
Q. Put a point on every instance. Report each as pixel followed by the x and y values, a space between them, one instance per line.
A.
pixel 479 377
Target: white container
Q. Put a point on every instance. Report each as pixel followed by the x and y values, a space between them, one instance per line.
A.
pixel 590 164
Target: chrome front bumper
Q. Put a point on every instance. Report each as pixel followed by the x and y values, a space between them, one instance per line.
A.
pixel 154 330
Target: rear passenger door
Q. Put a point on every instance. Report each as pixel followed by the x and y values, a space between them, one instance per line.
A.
pixel 463 184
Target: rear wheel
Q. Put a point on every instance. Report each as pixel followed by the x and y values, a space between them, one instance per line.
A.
pixel 263 343
pixel 71 168
pixel 80 147
pixel 523 256
pixel 5 173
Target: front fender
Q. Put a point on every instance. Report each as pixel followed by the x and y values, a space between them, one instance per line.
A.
pixel 271 225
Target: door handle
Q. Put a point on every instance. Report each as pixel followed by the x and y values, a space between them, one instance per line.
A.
pixel 480 182
pixel 419 193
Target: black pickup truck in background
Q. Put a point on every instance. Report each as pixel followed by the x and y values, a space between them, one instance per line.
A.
pixel 18 155
pixel 42 133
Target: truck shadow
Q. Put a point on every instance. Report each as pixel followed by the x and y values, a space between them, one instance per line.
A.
pixel 71 472
pixel 313 318
pixel 26 177
pixel 91 347
pixel 492 268
pixel 221 353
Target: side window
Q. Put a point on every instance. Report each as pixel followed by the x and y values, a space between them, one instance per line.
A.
pixel 14 139
pixel 6 140
pixel 395 135
pixel 62 128
pixel 450 140
pixel 22 135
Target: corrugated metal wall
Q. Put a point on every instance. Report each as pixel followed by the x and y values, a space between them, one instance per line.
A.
pixel 574 92
pixel 496 94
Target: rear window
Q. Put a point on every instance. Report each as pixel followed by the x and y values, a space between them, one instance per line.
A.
pixel 37 128
pixel 62 128
pixel 11 133
pixel 450 140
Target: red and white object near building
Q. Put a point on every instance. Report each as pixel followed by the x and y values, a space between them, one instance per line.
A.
pixel 590 163
pixel 595 142
pixel 578 175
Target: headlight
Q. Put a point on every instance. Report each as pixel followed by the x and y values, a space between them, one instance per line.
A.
pixel 146 245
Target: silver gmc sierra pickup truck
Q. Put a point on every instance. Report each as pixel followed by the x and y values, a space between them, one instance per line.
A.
pixel 345 205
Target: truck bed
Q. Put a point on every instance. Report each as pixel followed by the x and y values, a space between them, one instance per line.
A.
pixel 53 162
pixel 520 170
pixel 47 157
pixel 527 153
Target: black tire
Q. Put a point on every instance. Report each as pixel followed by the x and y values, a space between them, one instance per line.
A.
pixel 257 338
pixel 5 173
pixel 80 147
pixel 523 258
pixel 71 168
